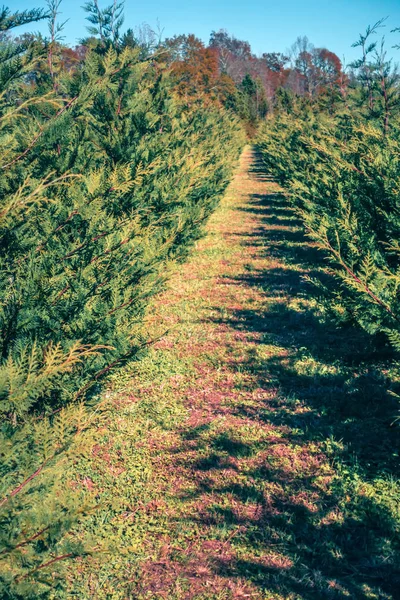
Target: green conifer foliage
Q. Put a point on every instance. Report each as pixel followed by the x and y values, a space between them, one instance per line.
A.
pixel 342 172
pixel 117 180
pixel 105 178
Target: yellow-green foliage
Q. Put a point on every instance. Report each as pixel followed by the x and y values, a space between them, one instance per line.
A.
pixel 342 174
pixel 105 178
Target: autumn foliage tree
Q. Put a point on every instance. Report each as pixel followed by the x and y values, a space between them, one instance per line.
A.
pixel 194 70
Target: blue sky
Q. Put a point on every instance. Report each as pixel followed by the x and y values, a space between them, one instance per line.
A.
pixel 269 25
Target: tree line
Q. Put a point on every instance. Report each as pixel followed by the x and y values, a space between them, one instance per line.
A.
pixel 225 70
pixel 337 156
pixel 112 160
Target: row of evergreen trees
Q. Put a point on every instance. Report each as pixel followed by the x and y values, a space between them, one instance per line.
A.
pixel 340 162
pixel 106 176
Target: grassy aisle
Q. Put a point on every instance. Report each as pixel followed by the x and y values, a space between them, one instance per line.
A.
pixel 251 453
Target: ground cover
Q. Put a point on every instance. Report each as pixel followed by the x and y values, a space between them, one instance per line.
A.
pixel 253 452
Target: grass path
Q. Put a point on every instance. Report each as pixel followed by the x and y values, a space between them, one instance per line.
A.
pixel 252 449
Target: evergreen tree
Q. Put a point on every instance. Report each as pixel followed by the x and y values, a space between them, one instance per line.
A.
pixel 105 177
pixel 342 170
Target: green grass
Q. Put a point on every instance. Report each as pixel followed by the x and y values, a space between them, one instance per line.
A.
pixel 252 453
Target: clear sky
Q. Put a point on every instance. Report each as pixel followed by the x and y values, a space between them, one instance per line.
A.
pixel 269 25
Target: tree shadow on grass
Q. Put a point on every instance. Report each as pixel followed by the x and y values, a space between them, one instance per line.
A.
pixel 279 232
pixel 340 372
pixel 303 478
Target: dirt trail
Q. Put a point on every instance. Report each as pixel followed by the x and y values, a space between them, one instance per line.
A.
pixel 244 499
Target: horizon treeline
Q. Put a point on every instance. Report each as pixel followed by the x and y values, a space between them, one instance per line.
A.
pixel 225 70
